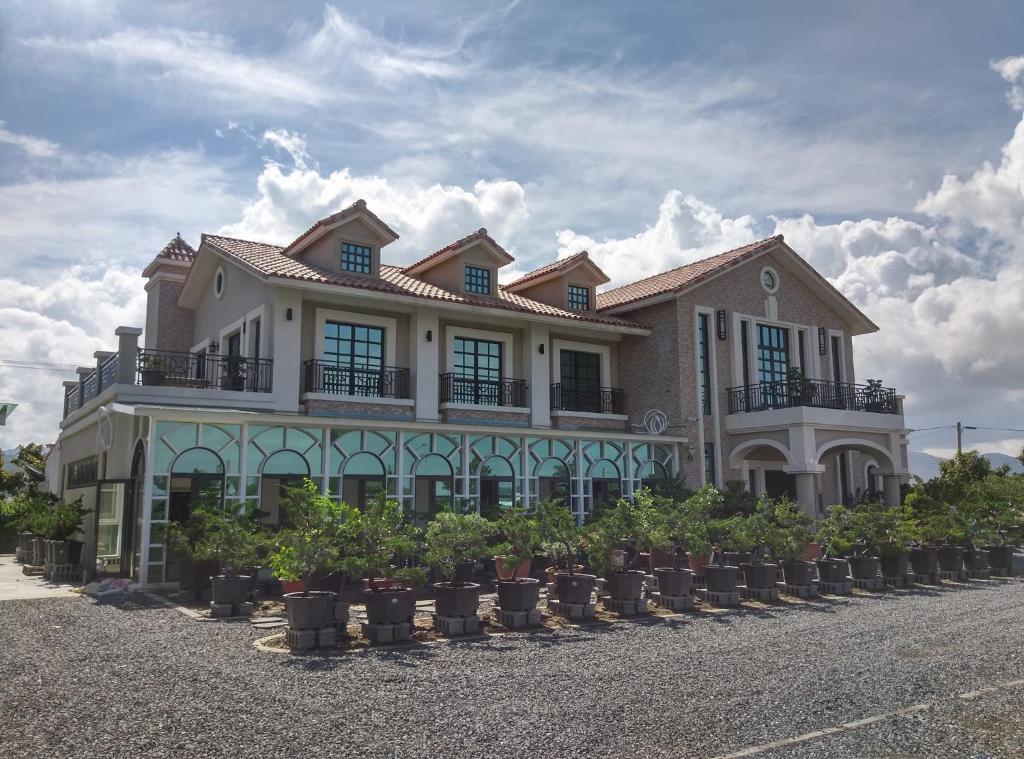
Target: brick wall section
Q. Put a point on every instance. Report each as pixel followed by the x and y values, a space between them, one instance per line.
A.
pixel 168 326
pixel 481 416
pixel 358 409
pixel 586 423
pixel 649 366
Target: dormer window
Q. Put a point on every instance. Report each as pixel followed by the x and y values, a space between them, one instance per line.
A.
pixel 478 280
pixel 579 298
pixel 356 258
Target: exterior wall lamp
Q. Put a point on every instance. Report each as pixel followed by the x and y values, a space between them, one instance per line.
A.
pixel 821 341
pixel 720 323
pixel 430 336
pixel 540 349
pixel 288 314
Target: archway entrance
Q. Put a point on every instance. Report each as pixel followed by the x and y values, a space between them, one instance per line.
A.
pixel 435 486
pixel 497 486
pixel 282 471
pixel 363 479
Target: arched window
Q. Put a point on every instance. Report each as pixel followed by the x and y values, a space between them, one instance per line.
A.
pixel 197 461
pixel 434 488
pixel 363 479
pixel 197 481
pixel 497 486
pixel 605 483
pixel 654 476
pixel 552 480
pixel 282 471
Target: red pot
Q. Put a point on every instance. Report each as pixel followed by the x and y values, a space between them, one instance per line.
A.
pixel 292 586
pixel 505 573
pixel 698 563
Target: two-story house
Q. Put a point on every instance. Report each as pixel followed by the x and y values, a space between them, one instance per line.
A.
pixel 263 365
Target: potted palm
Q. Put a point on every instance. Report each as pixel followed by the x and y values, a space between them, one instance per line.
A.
pixel 520 536
pixel 451 540
pixel 322 534
pixel 386 542
pixel 562 540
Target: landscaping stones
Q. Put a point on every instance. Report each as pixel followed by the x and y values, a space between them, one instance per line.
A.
pixel 516 620
pixel 452 626
pixel 672 603
pixel 387 633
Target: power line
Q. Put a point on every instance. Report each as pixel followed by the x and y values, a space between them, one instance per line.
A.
pixel 36 365
pixel 931 429
pixel 998 429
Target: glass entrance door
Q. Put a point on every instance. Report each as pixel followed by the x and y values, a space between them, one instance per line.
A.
pixel 110 521
pixel 581 381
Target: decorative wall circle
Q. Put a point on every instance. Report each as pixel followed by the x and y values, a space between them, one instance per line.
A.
pixel 218 282
pixel 769 279
pixel 655 422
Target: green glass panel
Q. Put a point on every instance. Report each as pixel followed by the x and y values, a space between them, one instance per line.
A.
pixel 433 466
pixel 496 466
pixel 604 469
pixel 252 486
pixel 215 437
pixel 159 510
pixel 198 461
pixel 348 441
pixel 364 464
pixel 160 485
pixel 231 486
pixel 376 442
pixel 445 445
pixel 286 462
pixel 156 553
pixel 419 444
pixel 506 448
pixel 179 435
pixel 163 457
pixel 269 438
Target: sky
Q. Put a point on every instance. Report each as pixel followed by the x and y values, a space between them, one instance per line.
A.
pixel 885 140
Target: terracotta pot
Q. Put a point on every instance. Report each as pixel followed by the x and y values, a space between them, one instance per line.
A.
pixel 812 552
pixel 292 586
pixel 521 594
pixel 505 573
pixel 574 588
pixel 658 559
pixel 697 563
pixel 314 611
pixel 456 600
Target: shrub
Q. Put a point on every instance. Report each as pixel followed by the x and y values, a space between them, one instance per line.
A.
pixel 453 539
pixel 560 535
pixel 520 537
pixel 386 542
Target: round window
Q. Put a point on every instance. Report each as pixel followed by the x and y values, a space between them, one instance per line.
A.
pixel 218 283
pixel 769 279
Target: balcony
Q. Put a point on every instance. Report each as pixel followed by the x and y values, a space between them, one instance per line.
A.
pixel 455 388
pixel 204 370
pixel 329 379
pixel 808 393
pixel 587 399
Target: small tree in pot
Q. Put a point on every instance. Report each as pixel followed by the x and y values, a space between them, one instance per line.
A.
pixel 887 532
pixel 233 542
pixel 787 535
pixel 451 540
pixel 323 535
pixel 562 539
pixel 63 522
pixel 386 542
pixel 842 533
pixel 677 527
pixel 520 535
pixel 995 506
pixel 625 523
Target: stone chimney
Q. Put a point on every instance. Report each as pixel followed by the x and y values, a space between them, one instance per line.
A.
pixel 168 326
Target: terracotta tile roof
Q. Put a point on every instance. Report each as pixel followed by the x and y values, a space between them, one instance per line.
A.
pixel 358 207
pixel 270 261
pixel 562 263
pixel 176 250
pixel 480 234
pixel 683 276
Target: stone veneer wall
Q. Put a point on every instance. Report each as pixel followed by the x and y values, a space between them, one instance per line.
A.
pixel 588 423
pixel 481 416
pixel 358 409
pixel 169 327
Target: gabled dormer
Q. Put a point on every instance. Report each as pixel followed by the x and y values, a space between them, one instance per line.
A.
pixel 347 242
pixel 570 283
pixel 469 265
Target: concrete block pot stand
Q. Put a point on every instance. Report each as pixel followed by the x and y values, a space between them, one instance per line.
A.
pixel 323 535
pixel 386 544
pixel 518 593
pixel 452 540
pixel 62 554
pixel 231 541
pixel 674 527
pixel 627 523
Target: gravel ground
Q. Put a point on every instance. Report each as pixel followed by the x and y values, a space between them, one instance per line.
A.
pixel 126 679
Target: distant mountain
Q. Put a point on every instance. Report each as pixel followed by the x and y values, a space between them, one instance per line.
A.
pixel 926 466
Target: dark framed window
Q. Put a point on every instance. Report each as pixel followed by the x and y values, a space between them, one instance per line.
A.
pixel 354 354
pixel 478 361
pixel 745 350
pixel 478 280
pixel 709 464
pixel 704 355
pixel 579 298
pixel 772 353
pixel 837 360
pixel 581 380
pixel 356 258
pixel 82 473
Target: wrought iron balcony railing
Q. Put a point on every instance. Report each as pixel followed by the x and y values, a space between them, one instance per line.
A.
pixel 763 396
pixel 386 382
pixel 505 392
pixel 205 370
pixel 595 400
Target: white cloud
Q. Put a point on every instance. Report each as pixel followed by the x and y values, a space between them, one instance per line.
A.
pixel 426 217
pixel 37 147
pixel 1012 70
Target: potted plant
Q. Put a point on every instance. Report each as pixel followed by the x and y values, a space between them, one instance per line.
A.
pixel 875 397
pixel 385 542
pixel 995 508
pixel 787 534
pixel 232 542
pixel 887 532
pixel 196 568
pixel 233 373
pixel 677 527
pixel 152 369
pixel 841 534
pixel 625 523
pixel 451 540
pixel 562 540
pixel 520 535
pixel 64 521
pixel 801 390
pixel 321 534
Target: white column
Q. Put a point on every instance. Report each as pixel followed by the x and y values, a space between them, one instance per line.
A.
pixel 807 493
pixel 891 489
pixel 287 349
pixel 426 343
pixel 538 374
pixel 127 353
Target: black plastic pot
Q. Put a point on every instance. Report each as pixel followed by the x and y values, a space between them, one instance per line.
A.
pixel 456 600
pixel 389 606
pixel 721 578
pixel 863 567
pixel 895 564
pixel 951 558
pixel 65 551
pixel 797 573
pixel 153 376
pixel 314 611
pixel 625 586
pixel 674 582
pixel 327 582
pixel 832 570
pixel 924 561
pixel 761 576
pixel 976 559
pixel 574 588
pixel 1000 557
pixel 230 589
pixel 737 558
pixel 196 577
pixel 518 595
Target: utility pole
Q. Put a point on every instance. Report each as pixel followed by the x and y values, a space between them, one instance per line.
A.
pixel 960 437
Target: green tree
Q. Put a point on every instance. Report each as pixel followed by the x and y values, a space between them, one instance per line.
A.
pixel 453 539
pixel 519 533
